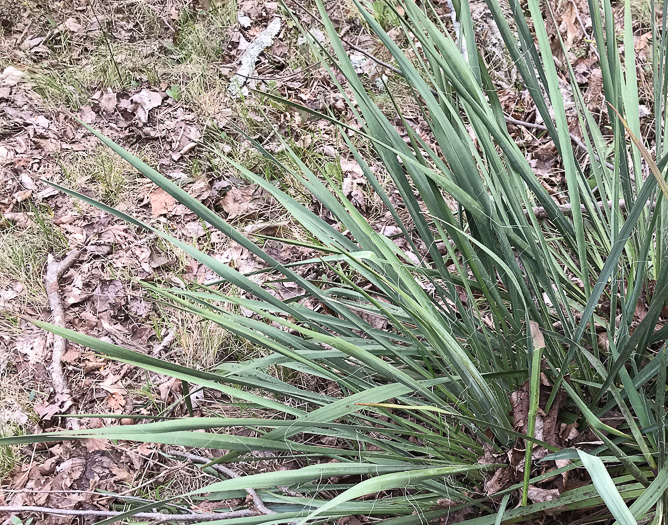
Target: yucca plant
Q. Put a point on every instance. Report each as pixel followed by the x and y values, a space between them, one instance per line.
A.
pixel 490 362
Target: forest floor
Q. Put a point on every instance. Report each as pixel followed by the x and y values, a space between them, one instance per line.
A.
pixel 154 76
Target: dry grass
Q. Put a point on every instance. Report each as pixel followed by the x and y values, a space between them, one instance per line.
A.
pixel 107 175
pixel 201 344
pixel 23 256
pixel 15 412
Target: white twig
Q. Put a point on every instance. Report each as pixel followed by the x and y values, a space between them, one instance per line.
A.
pixel 164 343
pixel 155 516
pixel 54 271
pixel 455 25
pixel 250 56
pixel 257 501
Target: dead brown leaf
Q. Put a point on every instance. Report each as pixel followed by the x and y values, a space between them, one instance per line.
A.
pixel 538 495
pixel 244 201
pixel 161 202
pixel 72 25
pixel 350 520
pixel 353 181
pixel 33 345
pixel 664 312
pixel 642 45
pixel 112 385
pixel 569 24
pixel 23 195
pixel 10 76
pixel 239 258
pixel 87 115
pixel 500 480
pixel 170 389
pixel 520 405
pixel 108 101
pixel 144 102
pixel 116 402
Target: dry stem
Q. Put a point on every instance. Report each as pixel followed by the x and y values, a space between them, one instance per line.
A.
pixel 257 501
pixel 54 271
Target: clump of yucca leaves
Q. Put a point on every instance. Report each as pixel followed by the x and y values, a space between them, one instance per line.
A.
pixel 421 401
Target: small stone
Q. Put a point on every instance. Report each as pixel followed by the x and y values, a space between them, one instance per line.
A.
pixel 358 60
pixel 243 20
pixel 10 76
pixel 315 33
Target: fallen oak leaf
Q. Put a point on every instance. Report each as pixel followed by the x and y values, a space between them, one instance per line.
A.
pixel 538 495
pixel 108 101
pixel 161 202
pixel 116 401
pixel 145 101
pixel 243 201
pixel 351 189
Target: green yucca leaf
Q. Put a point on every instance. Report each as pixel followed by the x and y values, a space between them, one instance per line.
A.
pixel 393 481
pixel 606 489
pixel 481 299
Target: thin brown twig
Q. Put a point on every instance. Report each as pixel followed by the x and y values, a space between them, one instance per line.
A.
pixel 540 212
pixel 289 492
pixel 54 271
pixel 155 516
pixel 257 500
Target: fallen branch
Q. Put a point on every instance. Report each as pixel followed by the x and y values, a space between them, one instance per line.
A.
pixel 250 56
pixel 54 271
pixel 257 501
pixel 567 209
pixel 155 516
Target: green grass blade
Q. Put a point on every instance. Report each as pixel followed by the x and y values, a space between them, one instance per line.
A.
pixel 606 489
